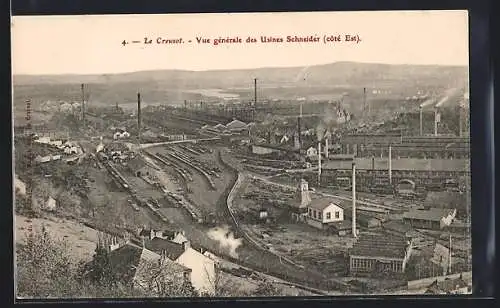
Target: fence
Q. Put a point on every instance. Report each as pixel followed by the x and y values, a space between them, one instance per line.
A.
pixel 422 283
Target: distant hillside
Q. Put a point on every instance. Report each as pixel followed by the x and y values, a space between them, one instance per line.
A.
pixel 164 85
pixel 338 73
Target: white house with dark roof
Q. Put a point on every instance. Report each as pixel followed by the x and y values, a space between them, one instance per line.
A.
pixel 203 268
pixel 321 212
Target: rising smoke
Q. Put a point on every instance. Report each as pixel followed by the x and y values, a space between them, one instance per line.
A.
pixel 226 239
pixel 428 102
pixel 320 130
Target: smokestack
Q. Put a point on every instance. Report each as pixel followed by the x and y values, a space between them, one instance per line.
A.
pixel 421 128
pixel 436 120
pixel 354 231
pixel 185 104
pixel 255 91
pixel 319 163
pixel 298 131
pixel 390 164
pixel 326 148
pixel 139 118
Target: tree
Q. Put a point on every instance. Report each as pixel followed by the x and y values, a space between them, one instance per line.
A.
pixel 43 267
pixel 163 280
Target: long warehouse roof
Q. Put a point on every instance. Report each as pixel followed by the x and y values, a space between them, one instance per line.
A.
pixel 406 164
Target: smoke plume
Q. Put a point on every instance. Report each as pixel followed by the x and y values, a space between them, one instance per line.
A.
pixel 320 130
pixel 226 239
pixel 428 102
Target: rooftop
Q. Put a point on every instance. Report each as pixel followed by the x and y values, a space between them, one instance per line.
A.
pixel 380 245
pixel 236 124
pixel 433 214
pixel 321 203
pixel 403 164
pixel 158 245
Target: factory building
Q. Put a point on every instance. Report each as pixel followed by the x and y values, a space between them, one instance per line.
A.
pixel 379 254
pixel 432 174
pixel 367 145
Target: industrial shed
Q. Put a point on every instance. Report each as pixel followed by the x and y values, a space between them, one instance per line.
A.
pixel 433 218
pixel 379 253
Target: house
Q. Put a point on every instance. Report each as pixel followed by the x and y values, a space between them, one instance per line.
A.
pixel 433 218
pixel 132 264
pixel 236 126
pixel 321 212
pixel 448 286
pixel 379 253
pixel 203 269
pixel 312 153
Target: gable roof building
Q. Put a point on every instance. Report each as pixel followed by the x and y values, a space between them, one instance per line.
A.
pixel 236 125
pixel 433 218
pixel 203 268
pixel 130 264
pixel 380 253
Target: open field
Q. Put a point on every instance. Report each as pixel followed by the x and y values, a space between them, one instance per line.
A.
pixel 82 240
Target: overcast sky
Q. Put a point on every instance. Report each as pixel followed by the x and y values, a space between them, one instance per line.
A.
pixel 91 44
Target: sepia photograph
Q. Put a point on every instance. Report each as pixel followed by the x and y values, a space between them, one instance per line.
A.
pixel 241 155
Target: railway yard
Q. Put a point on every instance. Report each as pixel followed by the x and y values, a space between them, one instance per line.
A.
pixel 250 187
